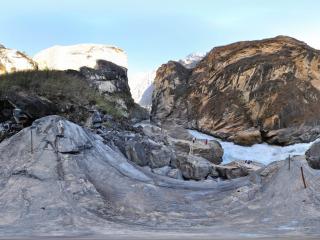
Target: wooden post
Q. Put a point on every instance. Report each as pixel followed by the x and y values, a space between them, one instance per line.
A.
pixel 303 179
pixel 289 160
pixel 31 141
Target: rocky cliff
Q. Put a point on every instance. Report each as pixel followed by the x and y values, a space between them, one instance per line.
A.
pixel 247 92
pixel 12 60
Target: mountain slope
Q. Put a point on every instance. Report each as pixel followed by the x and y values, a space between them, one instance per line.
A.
pixel 12 60
pixel 76 56
pixel 246 92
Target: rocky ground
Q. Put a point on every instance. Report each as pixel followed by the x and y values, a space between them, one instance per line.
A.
pixel 70 181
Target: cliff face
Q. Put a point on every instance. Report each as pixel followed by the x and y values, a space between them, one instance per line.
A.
pixel 259 90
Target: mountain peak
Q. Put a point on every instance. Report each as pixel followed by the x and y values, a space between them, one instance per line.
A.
pixel 75 56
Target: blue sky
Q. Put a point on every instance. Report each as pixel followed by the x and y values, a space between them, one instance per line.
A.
pixel 153 32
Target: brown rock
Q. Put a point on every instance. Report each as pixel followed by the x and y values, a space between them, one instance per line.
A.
pixel 248 137
pixel 270 84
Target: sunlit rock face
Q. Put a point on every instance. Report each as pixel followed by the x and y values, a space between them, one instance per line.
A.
pixel 12 60
pixel 141 83
pixel 271 86
pixel 76 56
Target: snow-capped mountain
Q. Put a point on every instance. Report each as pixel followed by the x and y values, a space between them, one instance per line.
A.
pixel 141 84
pixel 12 60
pixel 192 60
pixel 76 56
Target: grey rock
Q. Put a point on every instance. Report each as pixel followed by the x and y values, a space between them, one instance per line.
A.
pixel 212 151
pixel 98 191
pixel 237 169
pixel 313 155
pixel 136 153
pixel 162 171
pixel 160 157
pixel 175 173
pixel 193 167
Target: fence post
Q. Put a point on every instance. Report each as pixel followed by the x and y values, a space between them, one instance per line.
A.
pixel 289 160
pixel 303 179
pixel 31 141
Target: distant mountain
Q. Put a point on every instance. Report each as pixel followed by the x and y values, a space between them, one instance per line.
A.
pixel 141 84
pixel 12 60
pixel 76 56
pixel 192 60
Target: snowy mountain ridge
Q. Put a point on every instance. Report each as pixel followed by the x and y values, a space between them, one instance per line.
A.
pixel 12 60
pixel 192 59
pixel 76 56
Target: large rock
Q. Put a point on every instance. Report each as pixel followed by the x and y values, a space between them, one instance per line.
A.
pixel 248 137
pixel 160 155
pixel 236 169
pixel 292 135
pixel 136 153
pixel 193 167
pixel 212 151
pixel 313 155
pixel 107 77
pixel 268 85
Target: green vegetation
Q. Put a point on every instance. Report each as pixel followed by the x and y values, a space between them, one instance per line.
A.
pixel 61 88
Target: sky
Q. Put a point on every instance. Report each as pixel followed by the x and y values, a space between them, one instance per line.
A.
pixel 153 32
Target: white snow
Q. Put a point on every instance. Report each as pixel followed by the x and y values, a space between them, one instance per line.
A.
pixel 139 82
pixel 192 59
pixel 263 153
pixel 76 56
pixel 13 60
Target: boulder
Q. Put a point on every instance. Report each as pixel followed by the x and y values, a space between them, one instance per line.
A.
pixel 292 135
pixel 160 156
pixel 313 155
pixel 193 167
pixel 248 137
pixel 162 171
pixel 136 153
pixel 175 173
pixel 212 151
pixel 236 169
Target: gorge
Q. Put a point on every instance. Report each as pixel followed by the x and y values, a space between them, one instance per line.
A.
pixel 220 154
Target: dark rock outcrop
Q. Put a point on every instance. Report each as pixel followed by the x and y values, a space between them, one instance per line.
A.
pixel 313 155
pixel 266 86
